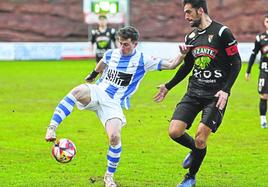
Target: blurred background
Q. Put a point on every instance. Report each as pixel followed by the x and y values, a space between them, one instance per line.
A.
pixel 157 20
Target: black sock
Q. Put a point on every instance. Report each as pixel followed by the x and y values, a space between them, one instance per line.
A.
pixel 263 107
pixel 198 156
pixel 186 140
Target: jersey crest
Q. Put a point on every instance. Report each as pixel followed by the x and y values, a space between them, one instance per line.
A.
pixel 192 35
pixel 210 37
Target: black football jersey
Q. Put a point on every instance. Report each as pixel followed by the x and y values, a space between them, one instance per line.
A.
pixel 103 40
pixel 261 44
pixel 214 50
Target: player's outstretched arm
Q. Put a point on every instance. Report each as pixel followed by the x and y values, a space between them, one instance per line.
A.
pixel 173 63
pixel 160 96
pixel 182 72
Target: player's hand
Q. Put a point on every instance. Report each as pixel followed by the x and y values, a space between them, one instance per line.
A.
pixel 247 76
pixel 184 49
pixel 223 97
pixel 89 79
pixel 161 94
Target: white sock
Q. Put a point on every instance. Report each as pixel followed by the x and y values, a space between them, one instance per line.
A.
pixel 263 119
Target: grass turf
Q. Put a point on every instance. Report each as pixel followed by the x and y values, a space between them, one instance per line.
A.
pixel 237 154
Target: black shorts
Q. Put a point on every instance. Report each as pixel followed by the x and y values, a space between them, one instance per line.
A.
pixel 263 83
pixel 189 107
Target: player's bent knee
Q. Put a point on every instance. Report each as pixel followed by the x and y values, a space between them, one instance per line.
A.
pixel 176 129
pixel 174 133
pixel 77 91
pixel 82 94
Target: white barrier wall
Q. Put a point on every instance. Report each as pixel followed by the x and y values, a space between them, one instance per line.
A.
pixel 7 51
pixel 169 50
pixel 45 51
pixel 59 51
pixel 37 51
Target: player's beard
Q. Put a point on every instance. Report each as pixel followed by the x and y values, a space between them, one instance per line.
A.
pixel 196 22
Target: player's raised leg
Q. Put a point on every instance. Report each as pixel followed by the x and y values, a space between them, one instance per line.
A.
pixel 80 94
pixel 113 129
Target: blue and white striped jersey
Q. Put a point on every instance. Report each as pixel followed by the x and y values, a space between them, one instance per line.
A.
pixel 123 74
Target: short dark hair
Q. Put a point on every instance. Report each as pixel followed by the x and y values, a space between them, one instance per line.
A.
pixel 129 32
pixel 197 4
pixel 266 15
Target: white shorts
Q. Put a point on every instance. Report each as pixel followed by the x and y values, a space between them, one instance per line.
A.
pixel 105 107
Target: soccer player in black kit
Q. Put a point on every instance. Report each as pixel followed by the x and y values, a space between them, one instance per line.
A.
pixel 103 37
pixel 261 44
pixel 216 63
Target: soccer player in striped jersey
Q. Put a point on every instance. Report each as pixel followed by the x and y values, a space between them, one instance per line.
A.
pixel 261 44
pixel 123 69
pixel 216 63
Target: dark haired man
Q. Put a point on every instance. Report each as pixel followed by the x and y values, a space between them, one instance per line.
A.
pixel 102 38
pixel 216 63
pixel 123 69
pixel 261 44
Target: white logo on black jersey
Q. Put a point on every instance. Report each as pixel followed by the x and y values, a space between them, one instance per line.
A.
pixel 210 37
pixel 192 35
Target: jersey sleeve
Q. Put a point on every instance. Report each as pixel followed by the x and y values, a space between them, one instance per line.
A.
pixel 152 63
pixel 233 57
pixel 254 53
pixel 189 38
pixel 107 56
pixel 182 72
pixel 229 44
pixel 257 46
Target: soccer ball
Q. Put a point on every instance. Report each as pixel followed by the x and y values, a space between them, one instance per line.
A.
pixel 64 150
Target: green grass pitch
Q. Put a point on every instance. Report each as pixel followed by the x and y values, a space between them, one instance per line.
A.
pixel 29 92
